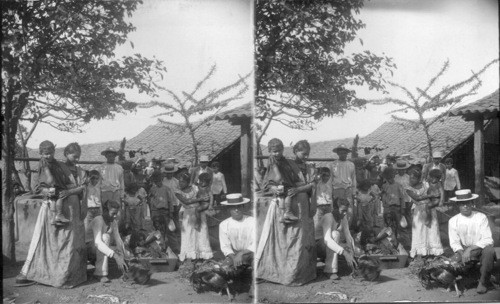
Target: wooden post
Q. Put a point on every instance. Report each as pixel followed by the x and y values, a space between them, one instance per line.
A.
pixel 479 159
pixel 246 158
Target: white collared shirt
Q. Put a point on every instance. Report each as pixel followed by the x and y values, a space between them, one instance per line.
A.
pixel 465 231
pixel 235 235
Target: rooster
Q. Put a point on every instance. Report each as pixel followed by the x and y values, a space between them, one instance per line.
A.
pixel 368 268
pixel 138 273
pixel 442 271
pixel 215 276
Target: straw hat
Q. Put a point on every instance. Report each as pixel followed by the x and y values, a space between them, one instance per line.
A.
pixel 170 168
pixel 341 147
pixel 234 199
pixel 401 164
pixel 437 154
pixel 109 150
pixel 464 195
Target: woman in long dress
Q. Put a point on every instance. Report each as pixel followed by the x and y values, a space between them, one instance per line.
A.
pixel 57 254
pixel 195 244
pixel 425 239
pixel 286 251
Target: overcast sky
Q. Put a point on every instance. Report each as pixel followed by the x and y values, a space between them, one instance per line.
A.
pixel 419 35
pixel 191 35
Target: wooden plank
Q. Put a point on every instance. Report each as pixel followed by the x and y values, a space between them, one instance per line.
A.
pixel 479 160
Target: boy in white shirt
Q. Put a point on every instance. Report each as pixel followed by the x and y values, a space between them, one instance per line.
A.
pixel 219 188
pixel 451 180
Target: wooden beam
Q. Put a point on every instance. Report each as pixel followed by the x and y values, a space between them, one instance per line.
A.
pixel 246 157
pixel 479 159
pixel 82 162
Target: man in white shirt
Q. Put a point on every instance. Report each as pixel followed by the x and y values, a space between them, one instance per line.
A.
pixel 105 228
pixel 337 240
pixel 470 236
pixel 236 234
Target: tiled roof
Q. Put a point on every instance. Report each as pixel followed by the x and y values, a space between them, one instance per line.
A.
pixel 485 105
pixel 162 142
pixel 244 111
pixel 401 138
pixel 394 137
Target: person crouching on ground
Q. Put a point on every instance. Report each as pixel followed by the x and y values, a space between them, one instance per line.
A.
pixel 470 236
pixel 236 234
pixel 105 228
pixel 337 239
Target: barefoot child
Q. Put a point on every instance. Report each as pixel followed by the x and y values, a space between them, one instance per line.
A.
pixel 366 206
pixel 206 197
pixel 134 206
pixel 161 202
pixel 55 177
pixel 435 193
pixel 393 194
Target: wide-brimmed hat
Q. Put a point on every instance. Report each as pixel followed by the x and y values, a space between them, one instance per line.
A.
pixel 204 158
pixel 170 168
pixel 464 195
pixel 437 154
pixel 234 199
pixel 341 147
pixel 109 149
pixel 401 164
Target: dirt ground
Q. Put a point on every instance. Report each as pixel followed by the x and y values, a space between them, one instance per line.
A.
pixel 394 285
pixel 164 287
pixel 172 287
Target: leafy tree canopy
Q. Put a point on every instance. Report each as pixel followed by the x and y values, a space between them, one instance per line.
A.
pixel 59 67
pixel 302 71
pixel 60 55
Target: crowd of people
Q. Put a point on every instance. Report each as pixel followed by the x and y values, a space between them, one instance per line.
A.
pixel 346 209
pixel 91 216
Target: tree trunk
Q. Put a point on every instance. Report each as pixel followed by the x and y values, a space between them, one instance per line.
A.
pixel 429 139
pixel 195 145
pixel 26 164
pixel 8 153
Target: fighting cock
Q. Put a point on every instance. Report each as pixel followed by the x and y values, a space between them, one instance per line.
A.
pixel 442 271
pixel 214 276
pixel 138 273
pixel 368 268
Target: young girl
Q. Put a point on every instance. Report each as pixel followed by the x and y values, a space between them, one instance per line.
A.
pixel 366 206
pixel 134 205
pixel 195 244
pixel 425 239
pixel 435 193
pixel 206 198
pixel 451 181
pixel 53 176
pixel 219 188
